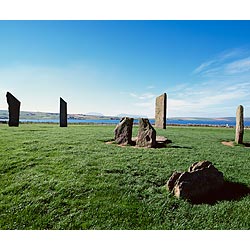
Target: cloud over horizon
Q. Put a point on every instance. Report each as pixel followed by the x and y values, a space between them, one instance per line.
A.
pixel 219 86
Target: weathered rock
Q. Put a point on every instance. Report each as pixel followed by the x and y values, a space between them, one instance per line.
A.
pixel 239 130
pixel 172 180
pixel 201 179
pixel 160 111
pixel 146 134
pixel 14 110
pixel 199 165
pixel 123 131
pixel 63 113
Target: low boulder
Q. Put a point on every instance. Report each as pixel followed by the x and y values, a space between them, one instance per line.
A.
pixel 201 179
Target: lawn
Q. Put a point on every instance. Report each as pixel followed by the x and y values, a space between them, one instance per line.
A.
pixel 69 178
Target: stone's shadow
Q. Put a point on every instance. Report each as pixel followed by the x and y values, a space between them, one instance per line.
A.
pixel 180 147
pixel 230 191
pixel 159 143
pixel 162 144
pixel 246 144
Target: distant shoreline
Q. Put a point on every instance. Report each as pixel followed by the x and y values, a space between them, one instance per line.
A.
pixel 30 115
pixel 114 124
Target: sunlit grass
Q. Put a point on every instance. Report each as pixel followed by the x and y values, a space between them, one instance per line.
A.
pixel 68 178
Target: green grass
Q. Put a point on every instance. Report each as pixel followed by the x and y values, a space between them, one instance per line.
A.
pixel 68 178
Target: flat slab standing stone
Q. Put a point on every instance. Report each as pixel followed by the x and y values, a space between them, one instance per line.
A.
pixel 239 129
pixel 63 113
pixel 161 111
pixel 201 179
pixel 123 131
pixel 146 134
pixel 14 110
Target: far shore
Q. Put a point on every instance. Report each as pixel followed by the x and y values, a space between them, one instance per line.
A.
pixel 136 124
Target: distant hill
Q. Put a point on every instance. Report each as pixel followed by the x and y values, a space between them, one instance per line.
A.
pixel 207 119
pixel 132 116
pixel 94 114
pixel 30 115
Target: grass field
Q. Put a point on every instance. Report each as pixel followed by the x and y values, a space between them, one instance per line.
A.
pixel 68 178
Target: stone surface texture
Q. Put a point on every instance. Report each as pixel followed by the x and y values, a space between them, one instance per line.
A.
pixel 146 134
pixel 123 131
pixel 63 113
pixel 201 179
pixel 14 110
pixel 161 111
pixel 239 129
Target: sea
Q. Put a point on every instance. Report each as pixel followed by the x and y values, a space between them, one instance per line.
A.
pixel 177 122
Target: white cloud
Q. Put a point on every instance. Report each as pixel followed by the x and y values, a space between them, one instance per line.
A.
pixel 143 96
pixel 150 87
pixel 205 101
pixel 219 85
pixel 144 104
pixel 203 66
pixel 245 86
pixel 228 62
pixel 238 66
pixel 133 95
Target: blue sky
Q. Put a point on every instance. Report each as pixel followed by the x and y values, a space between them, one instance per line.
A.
pixel 114 67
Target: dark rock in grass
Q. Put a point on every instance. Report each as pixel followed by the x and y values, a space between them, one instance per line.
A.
pixel 14 110
pixel 123 131
pixel 146 134
pixel 201 179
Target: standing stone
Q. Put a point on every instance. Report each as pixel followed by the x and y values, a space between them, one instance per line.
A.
pixel 160 111
pixel 14 110
pixel 146 134
pixel 239 125
pixel 123 131
pixel 63 113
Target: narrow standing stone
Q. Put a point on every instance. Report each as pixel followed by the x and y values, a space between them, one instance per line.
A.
pixel 14 110
pixel 146 134
pixel 239 130
pixel 63 113
pixel 123 131
pixel 161 111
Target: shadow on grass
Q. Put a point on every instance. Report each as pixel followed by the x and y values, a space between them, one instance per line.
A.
pixel 159 144
pixel 246 144
pixel 163 144
pixel 230 191
pixel 180 147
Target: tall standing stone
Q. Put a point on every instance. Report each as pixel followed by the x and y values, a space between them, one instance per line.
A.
pixel 161 111
pixel 14 110
pixel 123 131
pixel 146 134
pixel 239 131
pixel 63 113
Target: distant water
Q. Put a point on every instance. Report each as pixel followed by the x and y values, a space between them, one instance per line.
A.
pixel 152 121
